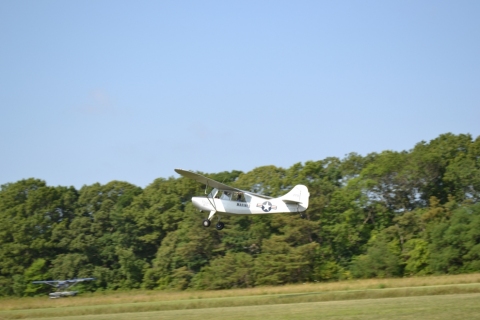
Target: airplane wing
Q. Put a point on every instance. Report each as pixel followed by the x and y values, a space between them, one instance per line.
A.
pixel 207 181
pixel 81 279
pixel 55 282
pixel 214 184
pixel 51 282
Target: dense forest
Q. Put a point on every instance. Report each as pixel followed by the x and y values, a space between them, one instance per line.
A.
pixel 388 214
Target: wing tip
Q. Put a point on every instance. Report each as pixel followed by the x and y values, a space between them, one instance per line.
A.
pixel 180 171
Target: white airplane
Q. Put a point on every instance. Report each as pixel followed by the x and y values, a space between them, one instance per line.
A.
pixel 229 200
pixel 63 285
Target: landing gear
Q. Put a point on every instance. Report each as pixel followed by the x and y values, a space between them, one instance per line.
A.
pixel 206 223
pixel 303 215
pixel 220 225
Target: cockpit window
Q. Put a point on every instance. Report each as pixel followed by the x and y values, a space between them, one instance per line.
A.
pixel 214 193
pixel 239 197
pixel 226 195
pixel 234 196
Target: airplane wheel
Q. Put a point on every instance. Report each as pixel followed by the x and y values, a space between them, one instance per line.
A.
pixel 303 215
pixel 206 223
pixel 220 225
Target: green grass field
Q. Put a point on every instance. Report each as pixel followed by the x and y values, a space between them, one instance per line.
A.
pixel 445 297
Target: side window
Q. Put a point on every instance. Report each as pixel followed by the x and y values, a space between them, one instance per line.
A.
pixel 226 195
pixel 238 196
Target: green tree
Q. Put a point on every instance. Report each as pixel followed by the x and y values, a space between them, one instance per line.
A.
pixel 280 263
pixel 182 254
pixel 31 213
pixel 382 259
pixel 234 270
pixel 455 243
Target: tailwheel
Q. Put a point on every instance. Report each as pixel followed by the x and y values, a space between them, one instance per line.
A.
pixel 303 215
pixel 220 225
pixel 206 223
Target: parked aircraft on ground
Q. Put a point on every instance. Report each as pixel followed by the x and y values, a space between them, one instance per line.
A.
pixel 62 285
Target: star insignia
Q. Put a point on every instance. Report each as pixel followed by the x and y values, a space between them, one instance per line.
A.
pixel 266 206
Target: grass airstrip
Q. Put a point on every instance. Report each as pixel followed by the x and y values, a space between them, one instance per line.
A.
pixel 439 297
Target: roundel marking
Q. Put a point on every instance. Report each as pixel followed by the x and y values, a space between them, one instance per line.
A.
pixel 266 206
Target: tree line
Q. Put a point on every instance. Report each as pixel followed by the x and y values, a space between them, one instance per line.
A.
pixel 388 214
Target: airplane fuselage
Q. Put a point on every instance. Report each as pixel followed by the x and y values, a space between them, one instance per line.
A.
pixel 253 206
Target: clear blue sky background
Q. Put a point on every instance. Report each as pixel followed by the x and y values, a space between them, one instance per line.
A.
pixel 95 91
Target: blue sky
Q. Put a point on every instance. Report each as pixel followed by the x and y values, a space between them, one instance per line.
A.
pixel 95 91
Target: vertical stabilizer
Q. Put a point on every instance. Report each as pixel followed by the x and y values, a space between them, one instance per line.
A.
pixel 299 195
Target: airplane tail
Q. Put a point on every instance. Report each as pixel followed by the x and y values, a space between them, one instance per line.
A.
pixel 298 195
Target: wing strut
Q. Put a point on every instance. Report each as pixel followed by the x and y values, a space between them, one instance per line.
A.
pixel 212 202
